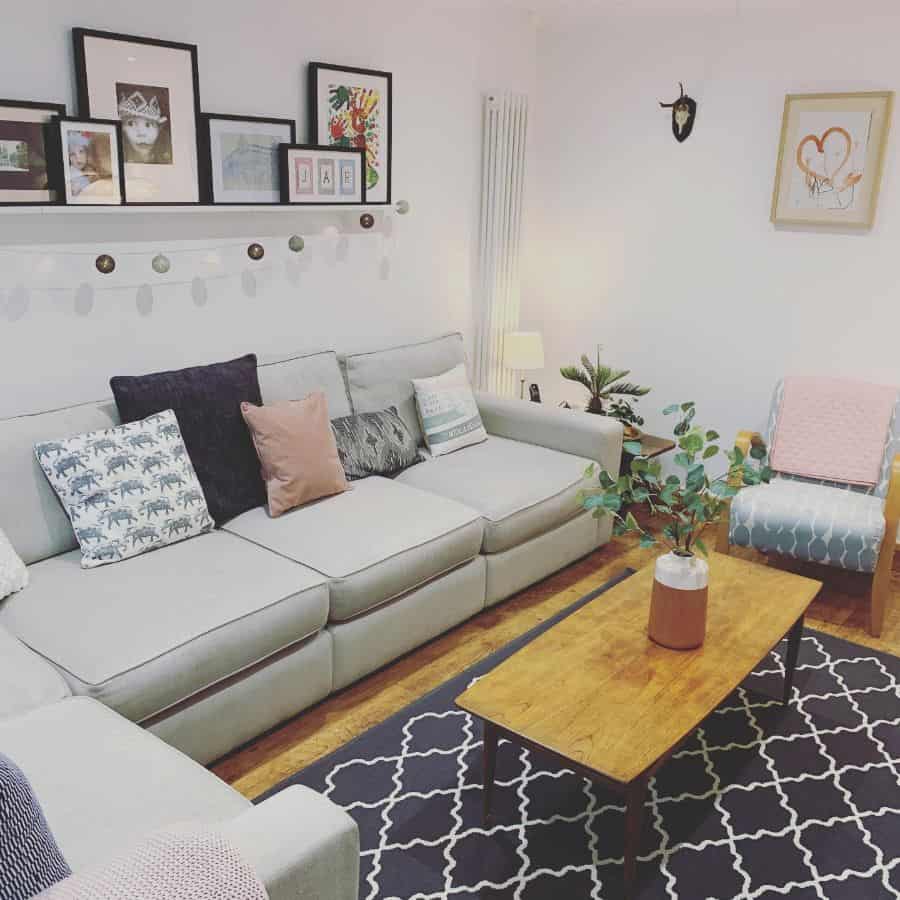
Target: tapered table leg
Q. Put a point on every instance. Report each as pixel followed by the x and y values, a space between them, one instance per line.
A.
pixel 790 663
pixel 635 794
pixel 490 767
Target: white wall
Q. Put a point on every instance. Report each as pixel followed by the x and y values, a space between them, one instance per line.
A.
pixel 253 60
pixel 664 252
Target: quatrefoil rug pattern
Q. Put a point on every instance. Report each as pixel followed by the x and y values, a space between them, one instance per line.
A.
pixel 765 801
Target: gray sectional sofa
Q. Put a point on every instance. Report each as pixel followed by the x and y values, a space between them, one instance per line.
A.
pixel 209 642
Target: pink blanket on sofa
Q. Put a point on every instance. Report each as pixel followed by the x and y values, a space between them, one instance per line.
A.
pixel 832 428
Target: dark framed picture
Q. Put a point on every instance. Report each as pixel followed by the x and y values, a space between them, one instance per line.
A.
pixel 88 167
pixel 25 165
pixel 239 158
pixel 352 108
pixel 152 88
pixel 318 176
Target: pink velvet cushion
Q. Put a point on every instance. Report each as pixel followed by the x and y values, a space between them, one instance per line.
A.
pixel 832 428
pixel 297 451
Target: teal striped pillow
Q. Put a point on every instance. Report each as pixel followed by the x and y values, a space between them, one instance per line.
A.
pixel 447 411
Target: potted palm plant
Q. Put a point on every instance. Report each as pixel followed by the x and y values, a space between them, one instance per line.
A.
pixel 685 505
pixel 607 388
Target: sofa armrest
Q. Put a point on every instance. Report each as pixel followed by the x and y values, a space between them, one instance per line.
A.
pixel 594 437
pixel 27 680
pixel 301 846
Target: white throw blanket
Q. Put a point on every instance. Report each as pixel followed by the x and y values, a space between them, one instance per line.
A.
pixel 180 863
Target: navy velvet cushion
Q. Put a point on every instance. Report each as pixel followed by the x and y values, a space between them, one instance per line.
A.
pixel 207 403
pixel 30 861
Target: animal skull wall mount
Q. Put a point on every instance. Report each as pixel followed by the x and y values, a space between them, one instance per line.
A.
pixel 684 112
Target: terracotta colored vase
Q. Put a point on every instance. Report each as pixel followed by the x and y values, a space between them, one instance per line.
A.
pixel 679 600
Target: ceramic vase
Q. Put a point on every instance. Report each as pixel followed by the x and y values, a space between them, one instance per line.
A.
pixel 679 600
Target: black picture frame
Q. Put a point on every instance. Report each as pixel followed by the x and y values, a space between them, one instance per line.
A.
pixel 207 191
pixel 55 129
pixel 84 99
pixel 314 72
pixel 53 110
pixel 284 151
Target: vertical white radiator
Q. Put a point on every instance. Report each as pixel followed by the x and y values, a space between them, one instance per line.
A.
pixel 502 189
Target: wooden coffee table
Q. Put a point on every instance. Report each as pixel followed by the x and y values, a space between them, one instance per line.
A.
pixel 598 695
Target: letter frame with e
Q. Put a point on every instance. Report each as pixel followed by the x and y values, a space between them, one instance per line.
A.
pixel 299 175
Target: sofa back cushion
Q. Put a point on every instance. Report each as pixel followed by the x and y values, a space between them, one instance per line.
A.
pixel 295 377
pixel 30 514
pixel 383 379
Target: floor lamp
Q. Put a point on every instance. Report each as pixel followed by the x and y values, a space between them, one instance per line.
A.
pixel 524 352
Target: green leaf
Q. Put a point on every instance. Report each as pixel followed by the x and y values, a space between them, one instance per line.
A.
pixel 640 494
pixel 647 540
pixel 612 502
pixel 687 407
pixel 710 451
pixel 631 523
pixel 605 479
pixel 589 471
pixel 673 479
pixel 691 442
pixel 594 502
pixel 670 409
pixel 682 460
pixel 623 484
pixel 758 451
pixel 766 474
pixel 712 435
pixel 639 464
pixel 633 448
pixel 696 478
pixel 738 456
pixel 701 546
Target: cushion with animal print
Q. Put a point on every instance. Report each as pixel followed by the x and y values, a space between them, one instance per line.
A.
pixel 128 489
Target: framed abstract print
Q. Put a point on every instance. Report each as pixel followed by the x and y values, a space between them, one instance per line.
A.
pixel 317 176
pixel 352 108
pixel 239 161
pixel 90 168
pixel 25 165
pixel 151 86
pixel 830 158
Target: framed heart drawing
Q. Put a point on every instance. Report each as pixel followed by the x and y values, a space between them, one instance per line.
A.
pixel 830 158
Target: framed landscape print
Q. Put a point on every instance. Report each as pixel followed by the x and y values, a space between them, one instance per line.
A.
pixel 317 175
pixel 352 108
pixel 239 160
pixel 151 86
pixel 25 170
pixel 90 162
pixel 830 158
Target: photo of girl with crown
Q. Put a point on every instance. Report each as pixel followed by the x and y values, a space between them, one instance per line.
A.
pixel 146 129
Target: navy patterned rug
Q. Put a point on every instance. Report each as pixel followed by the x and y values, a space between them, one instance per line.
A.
pixel 763 802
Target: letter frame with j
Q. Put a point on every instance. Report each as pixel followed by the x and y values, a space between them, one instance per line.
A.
pixel 315 175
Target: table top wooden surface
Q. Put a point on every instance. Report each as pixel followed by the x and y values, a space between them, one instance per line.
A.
pixel 597 691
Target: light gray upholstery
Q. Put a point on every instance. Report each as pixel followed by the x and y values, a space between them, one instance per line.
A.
pixel 30 513
pixel 522 490
pixel 104 783
pixel 598 438
pixel 246 707
pixel 384 378
pixel 26 680
pixel 373 542
pixel 301 846
pixel 370 641
pixel 515 569
pixel 148 632
pixel 293 377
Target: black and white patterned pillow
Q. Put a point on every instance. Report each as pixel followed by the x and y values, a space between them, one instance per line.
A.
pixel 376 443
pixel 128 489
pixel 30 860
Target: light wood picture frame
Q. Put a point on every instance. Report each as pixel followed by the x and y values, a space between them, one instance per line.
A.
pixel 830 158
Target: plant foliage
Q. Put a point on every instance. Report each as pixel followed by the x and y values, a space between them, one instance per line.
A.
pixel 602 382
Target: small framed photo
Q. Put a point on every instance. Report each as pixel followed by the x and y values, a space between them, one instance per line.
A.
pixel 830 158
pixel 317 175
pixel 90 161
pixel 352 108
pixel 25 161
pixel 239 160
pixel 152 87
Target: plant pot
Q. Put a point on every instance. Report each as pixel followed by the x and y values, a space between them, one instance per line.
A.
pixel 679 600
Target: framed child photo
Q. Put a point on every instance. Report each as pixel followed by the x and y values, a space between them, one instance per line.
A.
pixel 25 163
pixel 352 108
pixel 239 162
pixel 90 166
pixel 152 88
pixel 321 176
pixel 830 158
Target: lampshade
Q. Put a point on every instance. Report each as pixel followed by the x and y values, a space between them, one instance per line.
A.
pixel 523 350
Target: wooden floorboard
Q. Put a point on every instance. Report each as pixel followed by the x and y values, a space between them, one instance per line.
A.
pixel 841 609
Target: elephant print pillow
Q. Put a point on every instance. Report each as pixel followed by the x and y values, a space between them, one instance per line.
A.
pixel 126 490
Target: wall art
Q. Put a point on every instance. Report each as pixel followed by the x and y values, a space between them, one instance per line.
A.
pixel 321 175
pixel 151 86
pixel 89 168
pixel 830 158
pixel 352 108
pixel 25 170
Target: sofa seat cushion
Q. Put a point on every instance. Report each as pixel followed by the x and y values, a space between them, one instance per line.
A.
pixel 522 490
pixel 154 630
pixel 104 782
pixel 374 542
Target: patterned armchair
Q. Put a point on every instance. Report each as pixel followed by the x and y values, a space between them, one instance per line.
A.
pixel 849 526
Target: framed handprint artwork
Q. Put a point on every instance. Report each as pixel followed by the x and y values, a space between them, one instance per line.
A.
pixel 351 109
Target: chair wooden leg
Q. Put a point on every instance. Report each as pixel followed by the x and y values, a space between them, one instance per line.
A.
pixel 881 583
pixel 723 543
